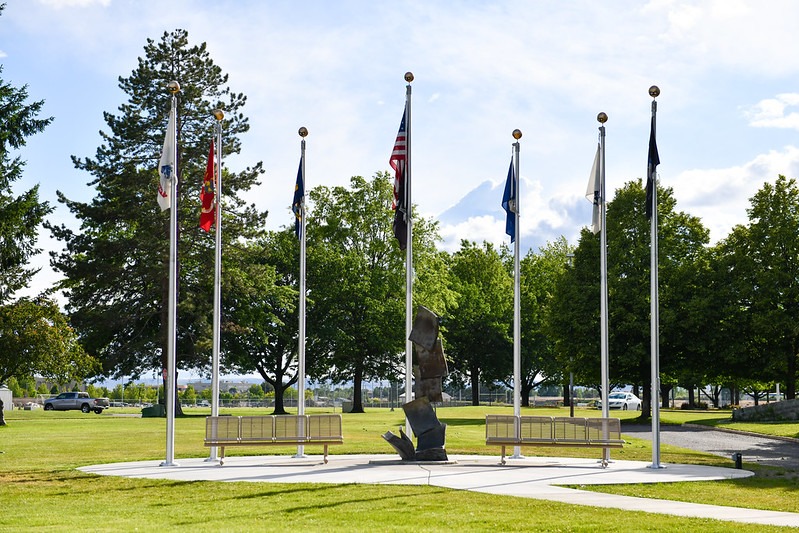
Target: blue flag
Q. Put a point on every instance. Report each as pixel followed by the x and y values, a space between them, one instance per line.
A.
pixel 298 205
pixel 509 203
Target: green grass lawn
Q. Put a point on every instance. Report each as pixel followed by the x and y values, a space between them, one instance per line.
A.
pixel 41 490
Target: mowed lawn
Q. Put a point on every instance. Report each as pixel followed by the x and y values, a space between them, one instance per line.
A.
pixel 40 488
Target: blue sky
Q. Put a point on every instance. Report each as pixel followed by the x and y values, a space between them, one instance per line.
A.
pixel 727 115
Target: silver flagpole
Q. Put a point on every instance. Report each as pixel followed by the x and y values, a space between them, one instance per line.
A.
pixel 408 254
pixel 517 331
pixel 303 132
pixel 218 115
pixel 654 319
pixel 603 266
pixel 174 88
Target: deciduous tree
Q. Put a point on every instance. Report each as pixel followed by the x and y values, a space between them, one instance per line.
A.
pixel 479 338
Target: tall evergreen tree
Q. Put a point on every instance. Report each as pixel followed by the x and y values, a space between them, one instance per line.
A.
pixel 116 265
pixel 20 216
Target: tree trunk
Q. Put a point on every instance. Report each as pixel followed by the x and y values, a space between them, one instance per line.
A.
pixel 526 389
pixel 664 395
pixel 357 393
pixel 566 396
pixel 475 380
pixel 280 393
pixel 691 398
pixel 790 378
pixel 2 414
pixel 646 403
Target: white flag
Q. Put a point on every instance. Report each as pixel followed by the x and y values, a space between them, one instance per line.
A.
pixel 592 193
pixel 167 166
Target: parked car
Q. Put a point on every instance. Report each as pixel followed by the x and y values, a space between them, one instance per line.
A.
pixel 76 400
pixel 622 400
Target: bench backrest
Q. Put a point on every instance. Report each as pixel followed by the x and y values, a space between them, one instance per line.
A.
pixel 324 427
pixel 221 428
pixel 536 427
pixel 569 429
pixel 531 429
pixel 501 427
pixel 603 429
pixel 255 428
pixel 273 428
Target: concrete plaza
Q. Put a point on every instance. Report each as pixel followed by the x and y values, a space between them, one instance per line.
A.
pixel 531 477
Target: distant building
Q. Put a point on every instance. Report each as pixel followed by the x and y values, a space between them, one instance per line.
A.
pixel 6 398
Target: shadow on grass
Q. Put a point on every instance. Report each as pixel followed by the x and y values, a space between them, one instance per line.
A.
pixel 334 494
pixel 463 421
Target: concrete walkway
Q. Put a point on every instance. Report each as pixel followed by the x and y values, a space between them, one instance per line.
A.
pixel 533 477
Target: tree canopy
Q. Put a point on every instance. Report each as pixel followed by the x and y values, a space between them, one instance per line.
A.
pixel 356 279
pixel 479 328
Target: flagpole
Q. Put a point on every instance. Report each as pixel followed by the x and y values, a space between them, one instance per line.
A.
pixel 174 89
pixel 218 115
pixel 654 320
pixel 517 332
pixel 603 266
pixel 303 132
pixel 408 254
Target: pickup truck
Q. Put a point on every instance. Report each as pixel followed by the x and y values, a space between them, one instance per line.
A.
pixel 67 401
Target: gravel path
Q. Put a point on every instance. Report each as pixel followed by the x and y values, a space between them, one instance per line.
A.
pixel 755 449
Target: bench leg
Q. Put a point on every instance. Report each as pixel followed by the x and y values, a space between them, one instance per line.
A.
pixel 221 455
pixel 502 460
pixel 325 454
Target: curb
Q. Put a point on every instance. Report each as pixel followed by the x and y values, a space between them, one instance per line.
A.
pixel 741 432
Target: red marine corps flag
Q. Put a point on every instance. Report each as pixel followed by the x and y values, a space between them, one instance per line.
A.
pixel 207 194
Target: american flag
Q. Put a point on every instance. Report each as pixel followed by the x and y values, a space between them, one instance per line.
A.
pixel 399 157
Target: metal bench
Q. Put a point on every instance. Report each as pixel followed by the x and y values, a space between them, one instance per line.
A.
pixel 512 430
pixel 272 430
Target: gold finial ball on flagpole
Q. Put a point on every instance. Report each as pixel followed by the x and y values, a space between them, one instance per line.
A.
pixel 517 134
pixel 654 91
pixel 409 76
pixel 174 87
pixel 602 117
pixel 219 114
pixel 303 131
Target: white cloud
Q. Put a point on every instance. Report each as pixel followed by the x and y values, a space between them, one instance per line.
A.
pixel 721 196
pixel 478 229
pixel 775 112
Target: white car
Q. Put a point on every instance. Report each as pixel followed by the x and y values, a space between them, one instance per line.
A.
pixel 624 401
